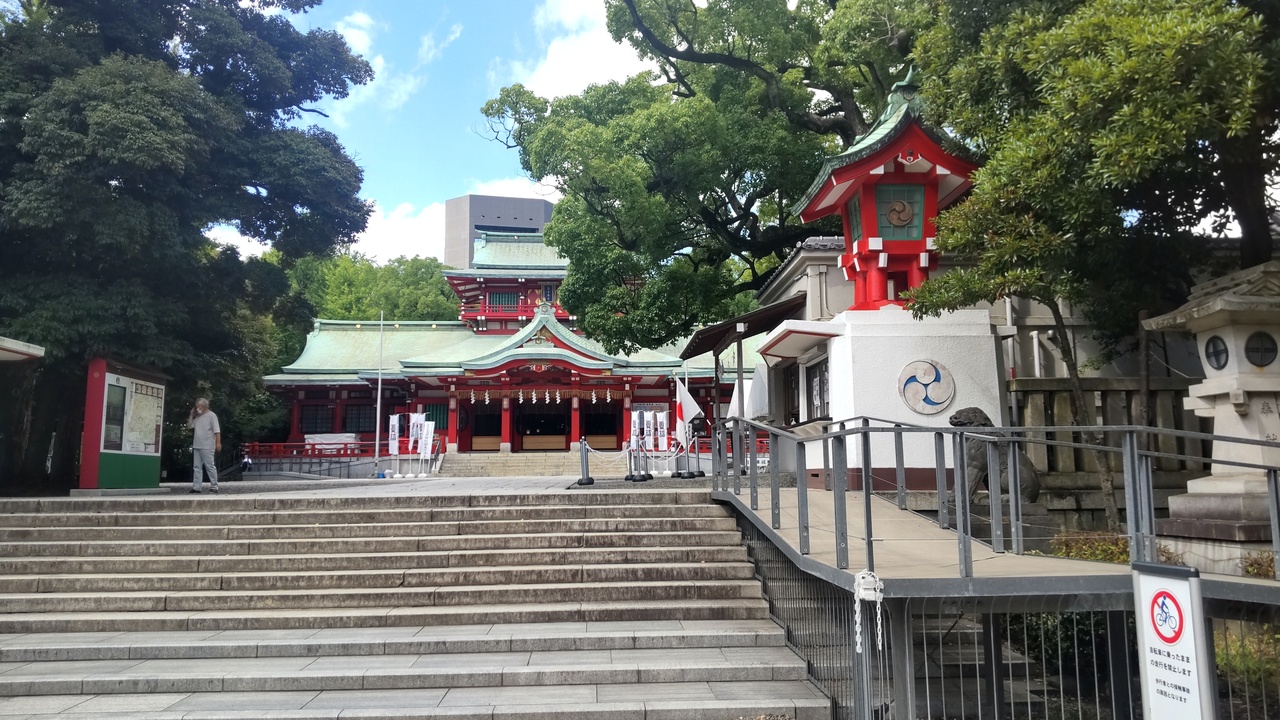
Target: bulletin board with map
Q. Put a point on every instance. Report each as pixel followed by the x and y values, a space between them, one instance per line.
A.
pixel 133 416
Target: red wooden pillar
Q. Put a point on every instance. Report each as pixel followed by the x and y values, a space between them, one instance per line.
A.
pixel 506 426
pixel 295 427
pixel 451 442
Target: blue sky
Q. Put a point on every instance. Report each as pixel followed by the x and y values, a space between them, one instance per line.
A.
pixel 417 129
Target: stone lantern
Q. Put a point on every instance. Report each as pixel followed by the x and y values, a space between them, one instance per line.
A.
pixel 1236 321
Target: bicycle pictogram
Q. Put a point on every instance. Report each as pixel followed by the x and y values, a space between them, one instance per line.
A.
pixel 1166 617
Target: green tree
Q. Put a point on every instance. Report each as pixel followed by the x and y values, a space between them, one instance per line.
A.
pixel 664 185
pixel 127 128
pixel 1111 128
pixel 352 287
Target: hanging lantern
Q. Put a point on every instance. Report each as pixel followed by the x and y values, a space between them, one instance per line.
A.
pixel 593 397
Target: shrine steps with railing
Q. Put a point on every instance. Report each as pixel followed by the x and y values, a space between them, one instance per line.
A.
pixel 511 464
pixel 614 605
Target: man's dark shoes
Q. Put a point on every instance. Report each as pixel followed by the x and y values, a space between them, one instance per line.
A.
pixel 193 492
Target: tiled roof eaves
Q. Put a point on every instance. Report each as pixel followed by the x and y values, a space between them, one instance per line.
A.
pixel 877 138
pixel 818 242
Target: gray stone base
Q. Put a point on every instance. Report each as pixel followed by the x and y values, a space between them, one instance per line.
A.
pixel 1212 556
pixel 1225 530
pixel 504 448
pixel 1233 507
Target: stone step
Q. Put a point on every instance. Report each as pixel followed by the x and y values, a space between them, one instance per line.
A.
pixel 366 516
pixel 427 596
pixel 387 671
pixel 388 616
pixel 36 647
pixel 368 561
pixel 436 543
pixel 292 532
pixel 390 578
pixel 603 701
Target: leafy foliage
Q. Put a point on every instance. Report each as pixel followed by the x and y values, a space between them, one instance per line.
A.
pixel 664 185
pixel 127 128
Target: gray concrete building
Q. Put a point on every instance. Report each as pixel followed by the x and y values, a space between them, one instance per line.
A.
pixel 467 216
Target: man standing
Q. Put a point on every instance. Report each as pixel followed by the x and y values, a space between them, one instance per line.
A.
pixel 206 437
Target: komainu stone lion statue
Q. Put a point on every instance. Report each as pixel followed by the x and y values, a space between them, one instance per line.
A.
pixel 976 470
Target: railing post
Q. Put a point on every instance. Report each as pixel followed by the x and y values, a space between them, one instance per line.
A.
pixel 1015 497
pixel 963 525
pixel 1148 511
pixel 866 494
pixel 1132 496
pixel 839 484
pixel 940 467
pixel 901 468
pixel 738 456
pixel 802 497
pixel 754 470
pixel 995 498
pixel 586 478
pixel 775 481
pixel 1273 502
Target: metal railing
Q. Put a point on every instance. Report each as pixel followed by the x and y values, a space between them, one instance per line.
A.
pixel 952 449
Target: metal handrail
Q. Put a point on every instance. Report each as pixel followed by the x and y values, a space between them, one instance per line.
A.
pixel 1136 469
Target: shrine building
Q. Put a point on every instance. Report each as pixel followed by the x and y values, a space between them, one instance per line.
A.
pixel 512 374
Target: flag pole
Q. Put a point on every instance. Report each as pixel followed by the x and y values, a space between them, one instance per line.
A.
pixel 377 413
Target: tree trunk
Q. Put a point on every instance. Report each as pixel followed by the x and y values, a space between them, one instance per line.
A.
pixel 1079 408
pixel 1245 186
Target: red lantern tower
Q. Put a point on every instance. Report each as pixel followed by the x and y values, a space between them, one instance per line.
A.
pixel 888 188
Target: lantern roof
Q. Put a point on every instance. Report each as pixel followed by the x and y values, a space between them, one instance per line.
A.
pixel 901 121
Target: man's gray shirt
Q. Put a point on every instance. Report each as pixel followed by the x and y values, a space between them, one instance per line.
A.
pixel 205 427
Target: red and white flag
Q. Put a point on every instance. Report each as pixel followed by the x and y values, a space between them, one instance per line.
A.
pixel 686 410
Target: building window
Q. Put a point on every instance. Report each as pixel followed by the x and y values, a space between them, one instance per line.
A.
pixel 791 395
pixel 315 419
pixel 439 414
pixel 1216 353
pixel 359 418
pixel 505 299
pixel 898 211
pixel 816 378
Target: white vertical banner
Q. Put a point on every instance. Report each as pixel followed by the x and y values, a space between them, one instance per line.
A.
pixel 660 425
pixel 637 429
pixel 648 430
pixel 415 429
pixel 393 435
pixel 428 437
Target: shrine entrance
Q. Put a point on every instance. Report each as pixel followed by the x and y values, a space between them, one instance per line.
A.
pixel 542 427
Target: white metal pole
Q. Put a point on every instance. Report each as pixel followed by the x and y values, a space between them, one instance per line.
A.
pixel 377 421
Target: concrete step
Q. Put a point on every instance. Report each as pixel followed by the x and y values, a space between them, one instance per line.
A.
pixel 410 639
pixel 387 616
pixel 386 529
pixel 597 701
pixel 389 578
pixel 436 543
pixel 366 516
pixel 401 671
pixel 368 561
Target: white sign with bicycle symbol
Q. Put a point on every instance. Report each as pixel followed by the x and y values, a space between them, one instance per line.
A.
pixel 1176 681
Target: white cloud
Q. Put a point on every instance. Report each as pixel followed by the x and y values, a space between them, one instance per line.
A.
pixel 429 49
pixel 580 51
pixel 357 29
pixel 519 187
pixel 405 229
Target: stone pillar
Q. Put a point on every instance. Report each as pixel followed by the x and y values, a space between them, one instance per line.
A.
pixel 575 424
pixel 505 444
pixel 1236 321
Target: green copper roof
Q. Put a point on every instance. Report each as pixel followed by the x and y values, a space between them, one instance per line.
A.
pixel 509 252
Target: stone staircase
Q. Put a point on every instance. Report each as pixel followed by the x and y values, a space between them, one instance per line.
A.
pixel 545 464
pixel 590 604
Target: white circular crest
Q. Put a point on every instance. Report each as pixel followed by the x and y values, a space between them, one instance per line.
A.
pixel 926 386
